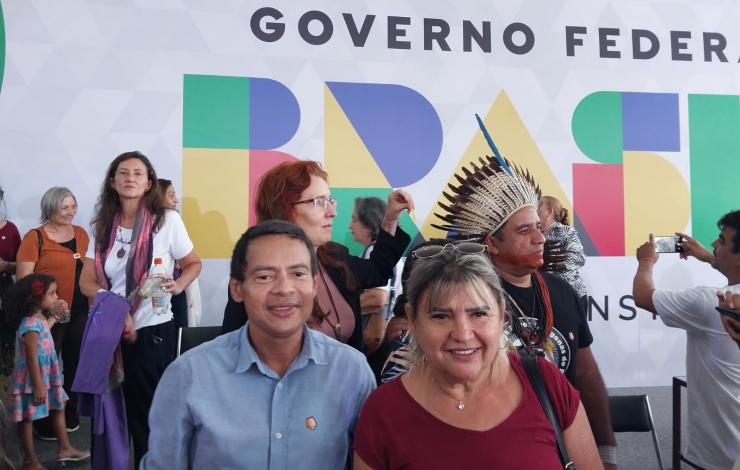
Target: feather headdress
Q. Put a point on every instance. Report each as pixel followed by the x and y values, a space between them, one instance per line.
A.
pixel 486 197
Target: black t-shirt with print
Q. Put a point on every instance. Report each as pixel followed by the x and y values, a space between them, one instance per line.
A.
pixel 570 325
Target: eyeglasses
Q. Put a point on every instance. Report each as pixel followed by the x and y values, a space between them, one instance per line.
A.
pixel 465 248
pixel 319 203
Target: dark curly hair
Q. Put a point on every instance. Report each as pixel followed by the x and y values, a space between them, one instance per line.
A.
pixel 109 203
pixel 732 220
pixel 23 299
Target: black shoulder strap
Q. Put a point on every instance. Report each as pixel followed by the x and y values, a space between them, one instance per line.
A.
pixel 41 240
pixel 538 384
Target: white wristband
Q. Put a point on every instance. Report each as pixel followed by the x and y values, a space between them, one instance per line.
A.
pixel 608 454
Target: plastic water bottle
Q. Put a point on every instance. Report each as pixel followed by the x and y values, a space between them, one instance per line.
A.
pixel 160 298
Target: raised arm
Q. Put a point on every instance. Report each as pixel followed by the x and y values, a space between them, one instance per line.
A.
pixel 398 201
pixel 692 247
pixel 643 286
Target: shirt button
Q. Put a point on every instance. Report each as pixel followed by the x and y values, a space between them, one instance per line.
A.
pixel 278 435
pixel 280 385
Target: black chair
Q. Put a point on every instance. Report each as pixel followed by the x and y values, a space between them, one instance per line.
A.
pixel 631 413
pixel 190 337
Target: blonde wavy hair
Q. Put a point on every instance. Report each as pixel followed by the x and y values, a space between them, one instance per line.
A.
pixel 434 280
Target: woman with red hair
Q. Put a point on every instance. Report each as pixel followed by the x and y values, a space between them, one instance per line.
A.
pixel 298 192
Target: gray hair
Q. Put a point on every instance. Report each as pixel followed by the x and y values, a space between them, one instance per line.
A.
pixel 435 279
pixel 370 213
pixel 51 202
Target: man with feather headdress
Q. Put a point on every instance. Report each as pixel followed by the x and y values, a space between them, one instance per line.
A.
pixel 495 203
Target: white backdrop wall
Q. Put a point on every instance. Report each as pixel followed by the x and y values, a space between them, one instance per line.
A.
pixel 87 80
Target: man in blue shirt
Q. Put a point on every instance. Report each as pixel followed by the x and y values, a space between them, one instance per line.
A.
pixel 272 395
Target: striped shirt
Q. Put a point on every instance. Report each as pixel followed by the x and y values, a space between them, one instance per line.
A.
pixel 576 257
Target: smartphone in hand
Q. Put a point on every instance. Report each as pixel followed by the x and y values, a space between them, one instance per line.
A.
pixel 667 244
pixel 729 313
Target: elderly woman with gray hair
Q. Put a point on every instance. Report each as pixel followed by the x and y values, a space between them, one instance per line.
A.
pixel 56 248
pixel 467 401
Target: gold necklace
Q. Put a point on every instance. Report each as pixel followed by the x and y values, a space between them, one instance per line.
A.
pixel 460 405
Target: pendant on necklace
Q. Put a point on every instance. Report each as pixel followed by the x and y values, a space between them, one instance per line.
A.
pixel 460 406
pixel 338 330
pixel 121 253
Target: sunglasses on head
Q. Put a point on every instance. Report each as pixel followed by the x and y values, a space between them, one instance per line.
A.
pixel 465 248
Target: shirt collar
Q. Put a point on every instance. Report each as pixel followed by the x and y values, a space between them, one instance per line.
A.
pixel 311 351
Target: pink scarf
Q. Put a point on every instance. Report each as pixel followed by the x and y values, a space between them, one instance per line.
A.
pixel 139 256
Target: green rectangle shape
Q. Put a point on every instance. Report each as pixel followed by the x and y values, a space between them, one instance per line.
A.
pixel 215 112
pixel 714 143
pixel 346 203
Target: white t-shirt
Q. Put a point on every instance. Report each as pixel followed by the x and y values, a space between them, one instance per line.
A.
pixel 712 374
pixel 170 243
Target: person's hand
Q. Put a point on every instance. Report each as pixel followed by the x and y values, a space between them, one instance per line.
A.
pixel 730 301
pixel 59 309
pixel 692 247
pixel 647 251
pixel 39 395
pixel 4 265
pixel 129 329
pixel 554 267
pixel 398 201
pixel 395 329
pixel 169 284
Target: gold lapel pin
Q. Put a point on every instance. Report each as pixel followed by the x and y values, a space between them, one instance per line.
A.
pixel 311 423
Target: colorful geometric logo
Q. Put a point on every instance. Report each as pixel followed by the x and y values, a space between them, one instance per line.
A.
pixel 377 137
pixel 714 144
pixel 629 191
pixel 382 136
pixel 230 127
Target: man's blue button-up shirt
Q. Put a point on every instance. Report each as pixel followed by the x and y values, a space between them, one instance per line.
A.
pixel 220 407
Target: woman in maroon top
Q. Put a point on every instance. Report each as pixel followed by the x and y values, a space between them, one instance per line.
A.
pixel 10 240
pixel 466 402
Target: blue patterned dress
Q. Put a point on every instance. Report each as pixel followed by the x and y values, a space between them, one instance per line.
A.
pixel 21 404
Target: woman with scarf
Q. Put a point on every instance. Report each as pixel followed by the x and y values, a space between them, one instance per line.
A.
pixel 131 228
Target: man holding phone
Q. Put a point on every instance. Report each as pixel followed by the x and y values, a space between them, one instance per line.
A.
pixel 712 358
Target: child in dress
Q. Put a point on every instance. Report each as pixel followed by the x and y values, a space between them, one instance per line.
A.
pixel 35 389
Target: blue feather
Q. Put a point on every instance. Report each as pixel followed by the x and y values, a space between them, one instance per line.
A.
pixel 500 159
